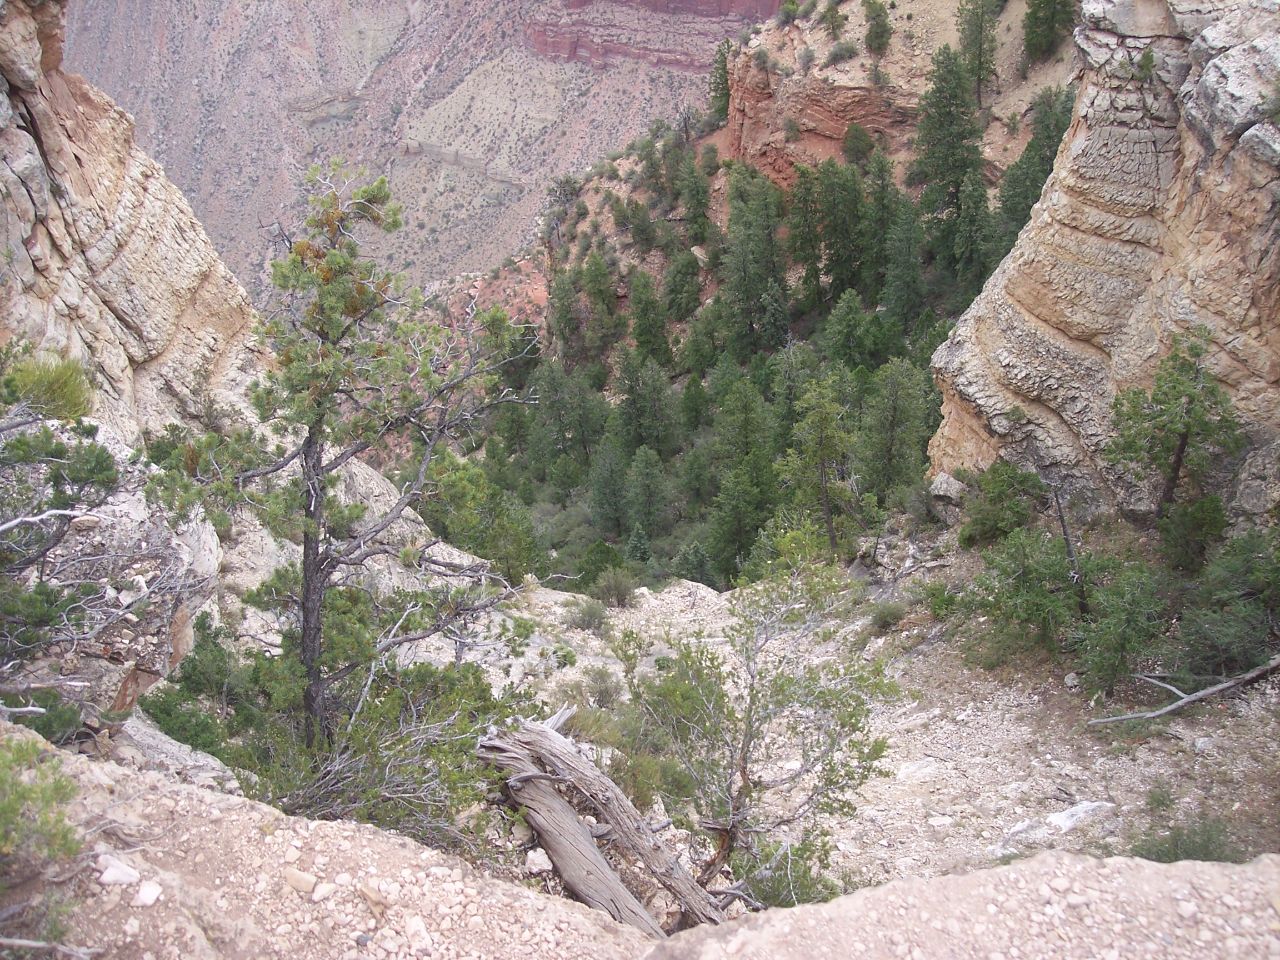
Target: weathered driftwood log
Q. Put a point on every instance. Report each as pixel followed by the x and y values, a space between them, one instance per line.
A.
pixel 1186 699
pixel 566 839
pixel 539 749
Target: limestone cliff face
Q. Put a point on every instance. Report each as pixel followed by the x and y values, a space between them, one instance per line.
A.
pixel 1163 213
pixel 104 260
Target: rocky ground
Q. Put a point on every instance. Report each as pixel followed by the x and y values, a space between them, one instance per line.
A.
pixel 177 871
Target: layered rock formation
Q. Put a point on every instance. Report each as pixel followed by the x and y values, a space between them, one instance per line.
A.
pixel 104 260
pixel 1163 213
pixel 471 109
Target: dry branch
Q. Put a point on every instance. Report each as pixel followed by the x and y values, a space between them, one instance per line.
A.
pixel 1242 680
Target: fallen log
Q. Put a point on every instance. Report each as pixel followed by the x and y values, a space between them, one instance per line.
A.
pixel 1186 699
pixel 567 841
pixel 541 749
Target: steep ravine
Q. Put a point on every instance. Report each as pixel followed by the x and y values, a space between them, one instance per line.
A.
pixel 1162 214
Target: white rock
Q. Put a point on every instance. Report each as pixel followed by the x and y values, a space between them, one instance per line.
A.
pixel 115 872
pixel 1067 820
pixel 148 893
pixel 537 862
pixel 302 882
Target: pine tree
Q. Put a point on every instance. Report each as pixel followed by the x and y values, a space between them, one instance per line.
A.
pixel 563 319
pixel 833 19
pixel 695 195
pixel 881 211
pixel 855 338
pixel 606 482
pixel 903 298
pixel 895 425
pixel 773 323
pixel 682 287
pixel 879 29
pixel 804 237
pixel 972 236
pixel 638 546
pixel 1044 25
pixel 646 494
pixel 743 424
pixel 753 259
pixel 814 469
pixel 597 284
pixel 692 563
pixel 647 411
pixel 648 320
pixel 1024 180
pixel 857 144
pixel 842 204
pixel 946 146
pixel 694 404
pixel 742 507
pixel 718 107
pixel 976 21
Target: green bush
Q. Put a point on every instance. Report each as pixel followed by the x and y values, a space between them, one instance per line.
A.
pixel 33 796
pixel 615 587
pixel 54 388
pixel 1003 502
pixel 840 52
pixel 1188 530
pixel 587 614
pixel 1128 619
pixel 941 600
pixel 886 614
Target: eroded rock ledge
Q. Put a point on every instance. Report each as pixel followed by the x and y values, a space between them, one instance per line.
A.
pixel 1163 212
pixel 103 259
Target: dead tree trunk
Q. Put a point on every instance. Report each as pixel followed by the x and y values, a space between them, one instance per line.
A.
pixel 540 748
pixel 567 841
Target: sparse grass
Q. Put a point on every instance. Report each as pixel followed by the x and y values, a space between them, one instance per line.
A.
pixel 588 614
pixel 886 614
pixel 1205 838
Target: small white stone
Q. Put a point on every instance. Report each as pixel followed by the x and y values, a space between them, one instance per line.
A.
pixel 537 862
pixel 115 872
pixel 148 893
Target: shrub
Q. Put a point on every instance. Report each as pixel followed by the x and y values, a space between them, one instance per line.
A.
pixel 1127 621
pixel 33 796
pixel 787 13
pixel 1187 531
pixel 587 614
pixel 857 144
pixel 1001 504
pixel 790 130
pixel 805 58
pixel 941 600
pixel 840 52
pixel 54 388
pixel 615 586
pixel 1028 591
pixel 887 614
pixel 879 29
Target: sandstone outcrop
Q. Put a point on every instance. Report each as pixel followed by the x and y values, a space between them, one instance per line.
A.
pixel 104 260
pixel 1162 214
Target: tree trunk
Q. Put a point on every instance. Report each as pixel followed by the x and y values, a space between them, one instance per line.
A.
pixel 1175 472
pixel 311 641
pixel 827 518
pixel 537 747
pixel 1077 576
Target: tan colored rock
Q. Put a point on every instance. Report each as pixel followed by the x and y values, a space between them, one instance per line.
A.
pixel 105 260
pixel 1162 214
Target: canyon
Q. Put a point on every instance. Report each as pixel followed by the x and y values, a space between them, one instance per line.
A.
pixel 471 111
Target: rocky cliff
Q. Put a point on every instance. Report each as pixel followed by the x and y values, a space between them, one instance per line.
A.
pixel 104 259
pixel 1163 213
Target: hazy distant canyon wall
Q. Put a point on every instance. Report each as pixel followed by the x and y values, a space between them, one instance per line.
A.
pixel 1163 213
pixel 471 109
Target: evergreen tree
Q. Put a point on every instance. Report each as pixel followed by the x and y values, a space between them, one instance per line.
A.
pixel 804 234
pixel 976 22
pixel 774 319
pixel 972 236
pixel 814 470
pixel 855 338
pixel 692 563
pixel 743 424
pixel 1044 25
pixel 647 409
pixel 718 108
pixel 791 370
pixel 638 546
pixel 881 211
pixel 563 318
pixel 1024 180
pixel 695 195
pixel 606 482
pixel 697 481
pixel 568 419
pixel 694 404
pixel 682 286
pixel 753 259
pixel 1179 430
pixel 598 285
pixel 833 19
pixel 879 29
pixel 842 208
pixel 857 144
pixel 903 298
pixel 646 494
pixel 896 422
pixel 744 504
pixel 648 321
pixel 946 146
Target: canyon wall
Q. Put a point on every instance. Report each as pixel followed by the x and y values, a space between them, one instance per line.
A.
pixel 104 259
pixel 1163 213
